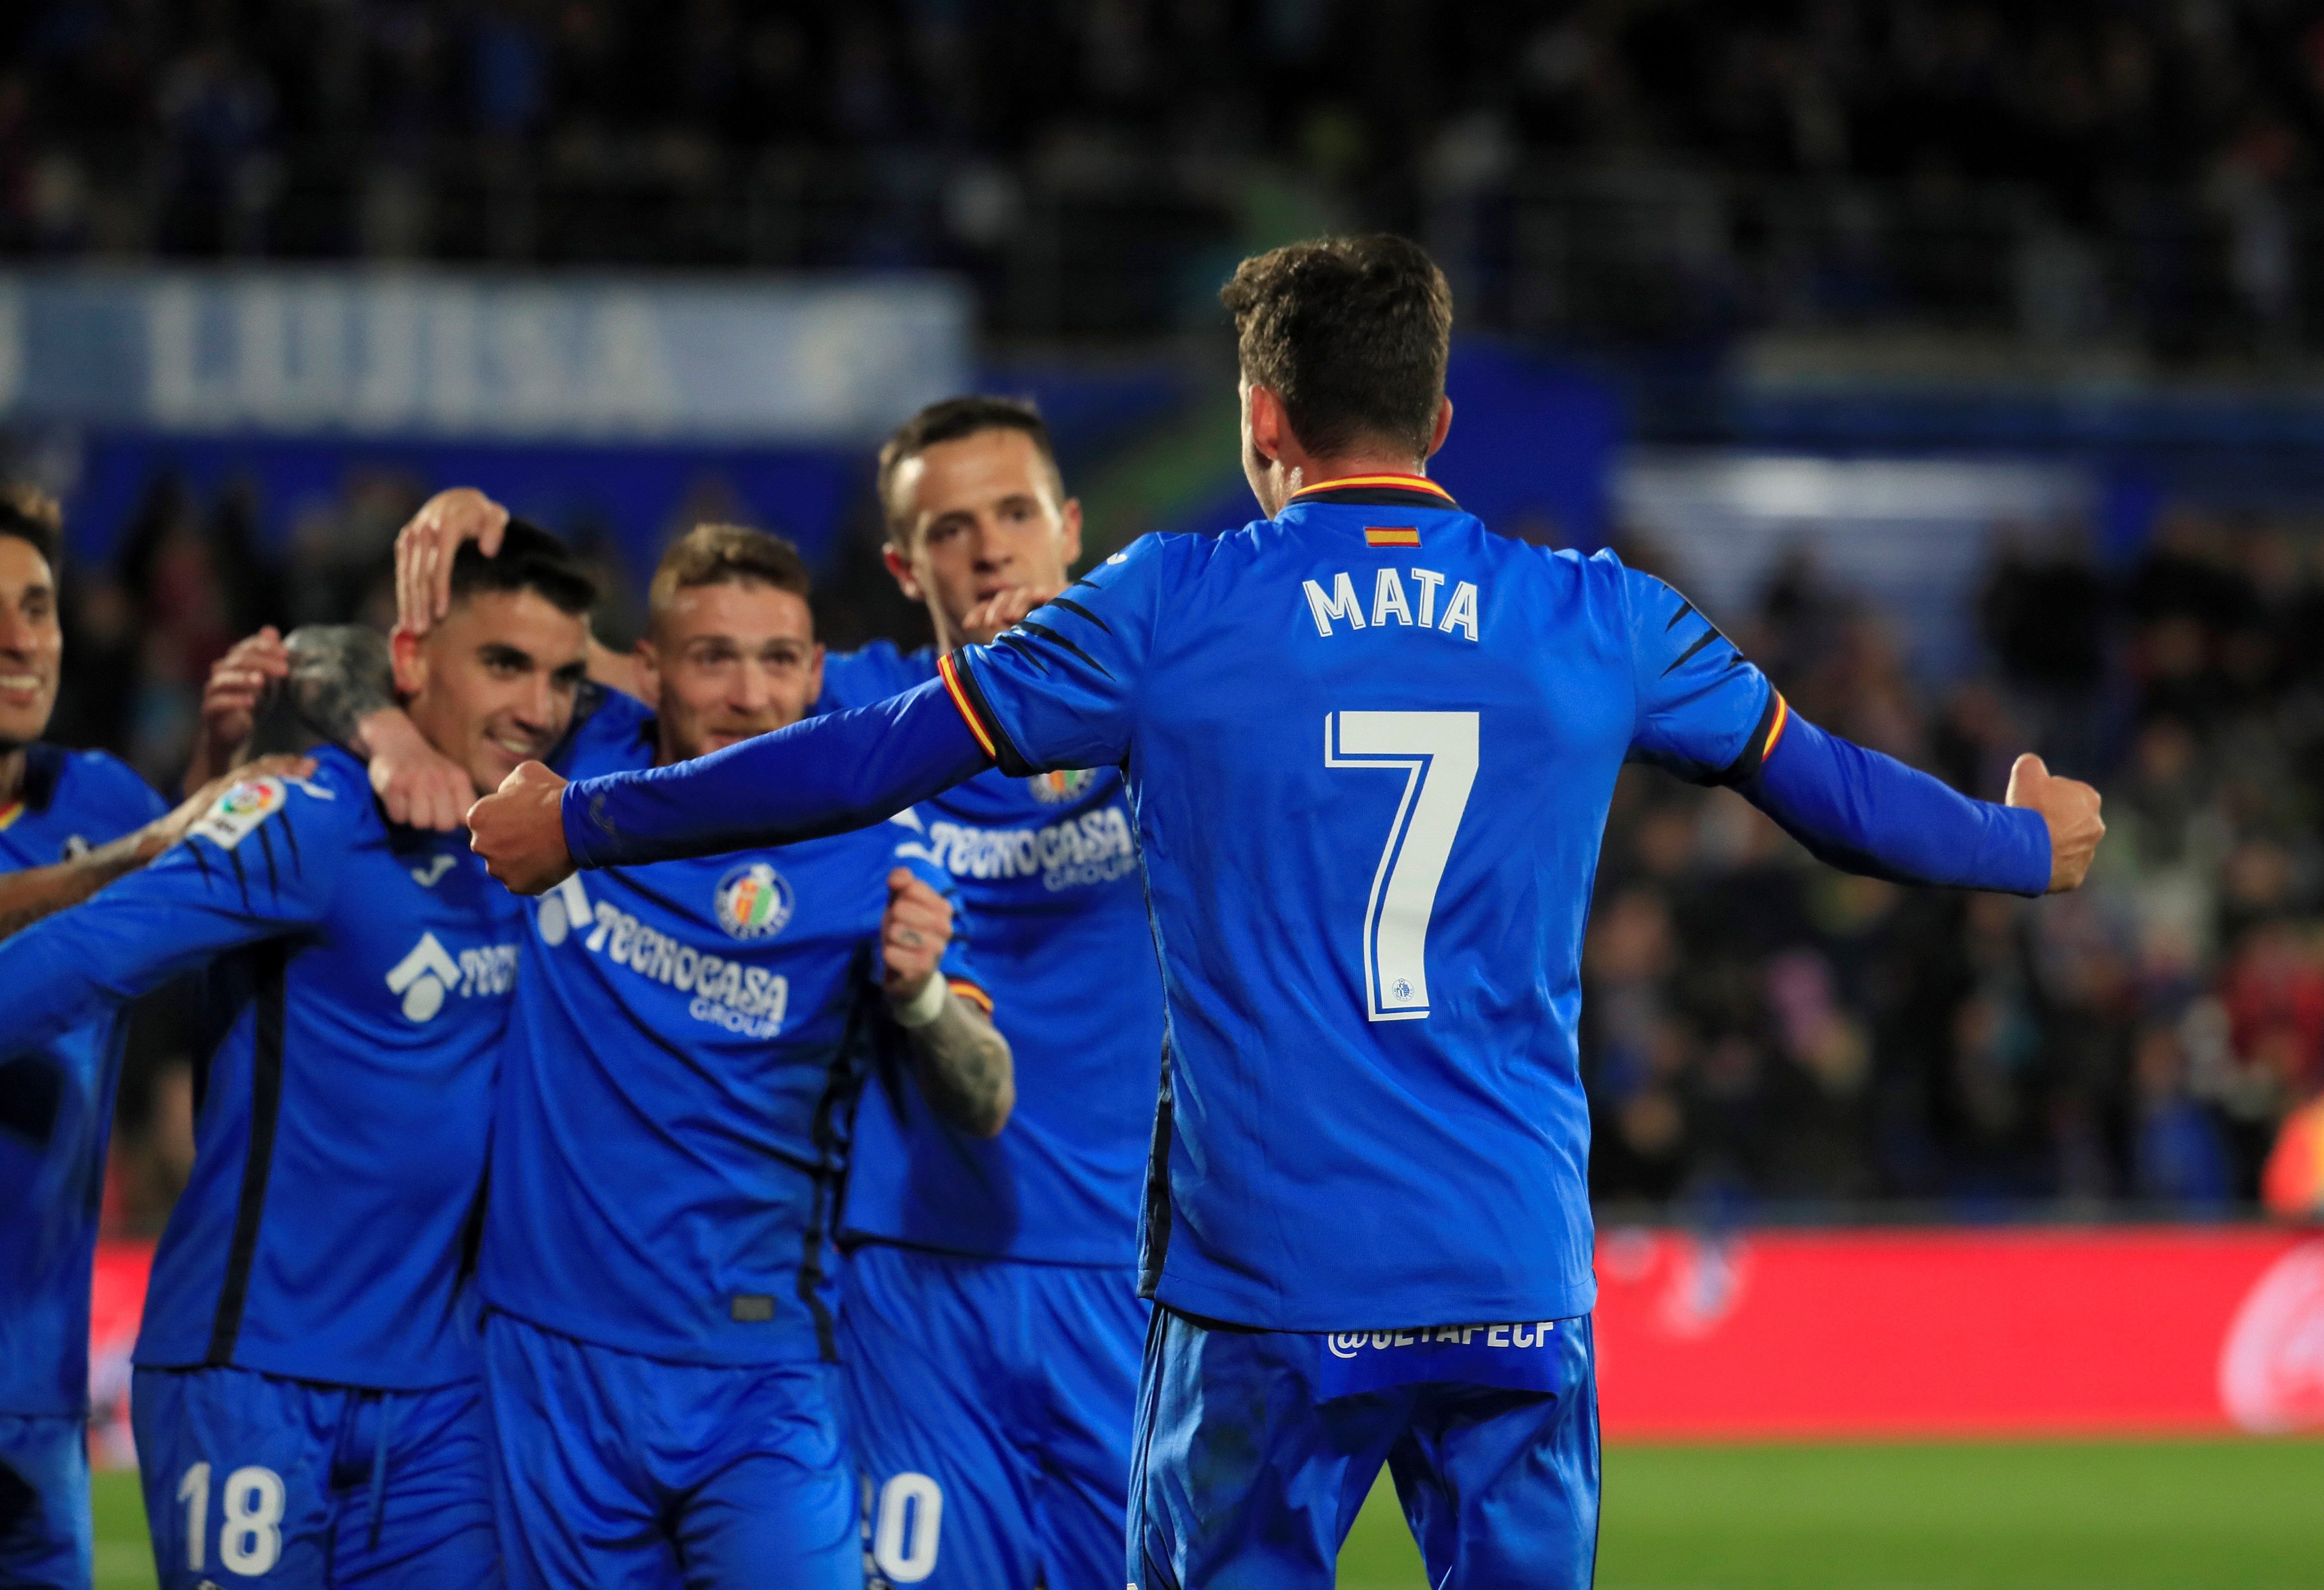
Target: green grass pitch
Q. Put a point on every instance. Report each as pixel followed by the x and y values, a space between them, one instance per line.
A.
pixel 2099 1515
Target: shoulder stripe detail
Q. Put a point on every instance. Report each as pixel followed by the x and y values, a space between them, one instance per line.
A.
pixel 1688 655
pixel 1684 609
pixel 949 671
pixel 1762 739
pixel 970 992
pixel 1024 646
pixel 1776 735
pixel 1410 482
pixel 1046 633
pixel 959 678
pixel 1073 607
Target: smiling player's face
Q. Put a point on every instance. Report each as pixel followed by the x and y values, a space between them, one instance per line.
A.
pixel 985 518
pixel 32 643
pixel 728 661
pixel 492 683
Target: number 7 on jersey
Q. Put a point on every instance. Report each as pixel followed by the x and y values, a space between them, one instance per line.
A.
pixel 1437 753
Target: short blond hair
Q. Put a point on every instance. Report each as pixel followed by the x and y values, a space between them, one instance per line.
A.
pixel 726 554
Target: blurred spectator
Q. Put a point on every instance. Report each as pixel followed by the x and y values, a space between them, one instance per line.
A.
pixel 2141 172
pixel 1760 1030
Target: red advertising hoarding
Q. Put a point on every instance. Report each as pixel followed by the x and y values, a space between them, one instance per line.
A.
pixel 2043 1332
pixel 2148 1330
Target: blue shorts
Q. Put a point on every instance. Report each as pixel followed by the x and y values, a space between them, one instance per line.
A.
pixel 990 1405
pixel 622 1473
pixel 251 1479
pixel 44 1521
pixel 1255 1449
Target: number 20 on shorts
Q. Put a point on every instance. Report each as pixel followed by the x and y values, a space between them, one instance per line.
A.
pixel 1436 751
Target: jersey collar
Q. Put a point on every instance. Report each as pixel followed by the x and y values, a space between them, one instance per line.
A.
pixel 1378 491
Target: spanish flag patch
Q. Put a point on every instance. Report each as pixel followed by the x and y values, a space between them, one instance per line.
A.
pixel 1391 535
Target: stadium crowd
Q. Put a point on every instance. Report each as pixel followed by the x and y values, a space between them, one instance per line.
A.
pixel 1936 158
pixel 1760 1032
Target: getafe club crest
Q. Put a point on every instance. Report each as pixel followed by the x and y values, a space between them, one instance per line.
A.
pixel 753 902
pixel 1059 788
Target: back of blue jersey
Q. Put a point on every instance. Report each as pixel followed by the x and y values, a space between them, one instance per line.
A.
pixel 360 976
pixel 1048 873
pixel 1371 748
pixel 671 1131
pixel 56 1103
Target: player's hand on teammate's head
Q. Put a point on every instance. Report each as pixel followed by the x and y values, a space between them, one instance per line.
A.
pixel 913 934
pixel 998 611
pixel 520 831
pixel 424 549
pixel 417 785
pixel 170 828
pixel 230 698
pixel 2070 808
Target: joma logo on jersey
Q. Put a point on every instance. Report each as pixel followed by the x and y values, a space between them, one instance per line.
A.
pixel 1392 604
pixel 429 973
pixel 753 902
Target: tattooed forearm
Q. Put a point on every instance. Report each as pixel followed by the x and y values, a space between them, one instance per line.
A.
pixel 339 676
pixel 965 1068
pixel 27 896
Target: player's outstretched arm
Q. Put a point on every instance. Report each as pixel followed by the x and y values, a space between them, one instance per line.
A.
pixel 1864 812
pixel 827 775
pixel 27 896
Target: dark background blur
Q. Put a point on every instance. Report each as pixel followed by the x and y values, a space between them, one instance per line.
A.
pixel 2079 234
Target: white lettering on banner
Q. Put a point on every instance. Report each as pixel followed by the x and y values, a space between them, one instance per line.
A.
pixel 1341 604
pixel 1504 1337
pixel 1095 847
pixel 749 1002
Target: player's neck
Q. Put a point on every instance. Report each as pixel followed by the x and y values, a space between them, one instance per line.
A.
pixel 1315 472
pixel 1287 477
pixel 12 776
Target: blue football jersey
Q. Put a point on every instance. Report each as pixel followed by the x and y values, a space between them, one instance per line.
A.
pixel 56 1101
pixel 360 976
pixel 671 1135
pixel 1370 747
pixel 1048 872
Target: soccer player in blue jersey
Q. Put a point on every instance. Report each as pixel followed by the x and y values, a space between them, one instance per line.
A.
pixel 991 1327
pixel 1370 747
pixel 671 1135
pixel 70 823
pixel 307 1399
pixel 996 1452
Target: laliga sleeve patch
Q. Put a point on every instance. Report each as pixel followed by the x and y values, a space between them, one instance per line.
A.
pixel 236 814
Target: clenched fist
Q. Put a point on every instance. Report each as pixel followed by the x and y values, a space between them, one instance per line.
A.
pixel 2070 808
pixel 913 934
pixel 520 831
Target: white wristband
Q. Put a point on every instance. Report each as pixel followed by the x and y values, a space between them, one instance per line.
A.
pixel 924 1006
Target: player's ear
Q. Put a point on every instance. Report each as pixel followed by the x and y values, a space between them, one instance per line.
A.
pixel 1269 424
pixel 1443 426
pixel 1070 523
pixel 649 660
pixel 407 655
pixel 906 581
